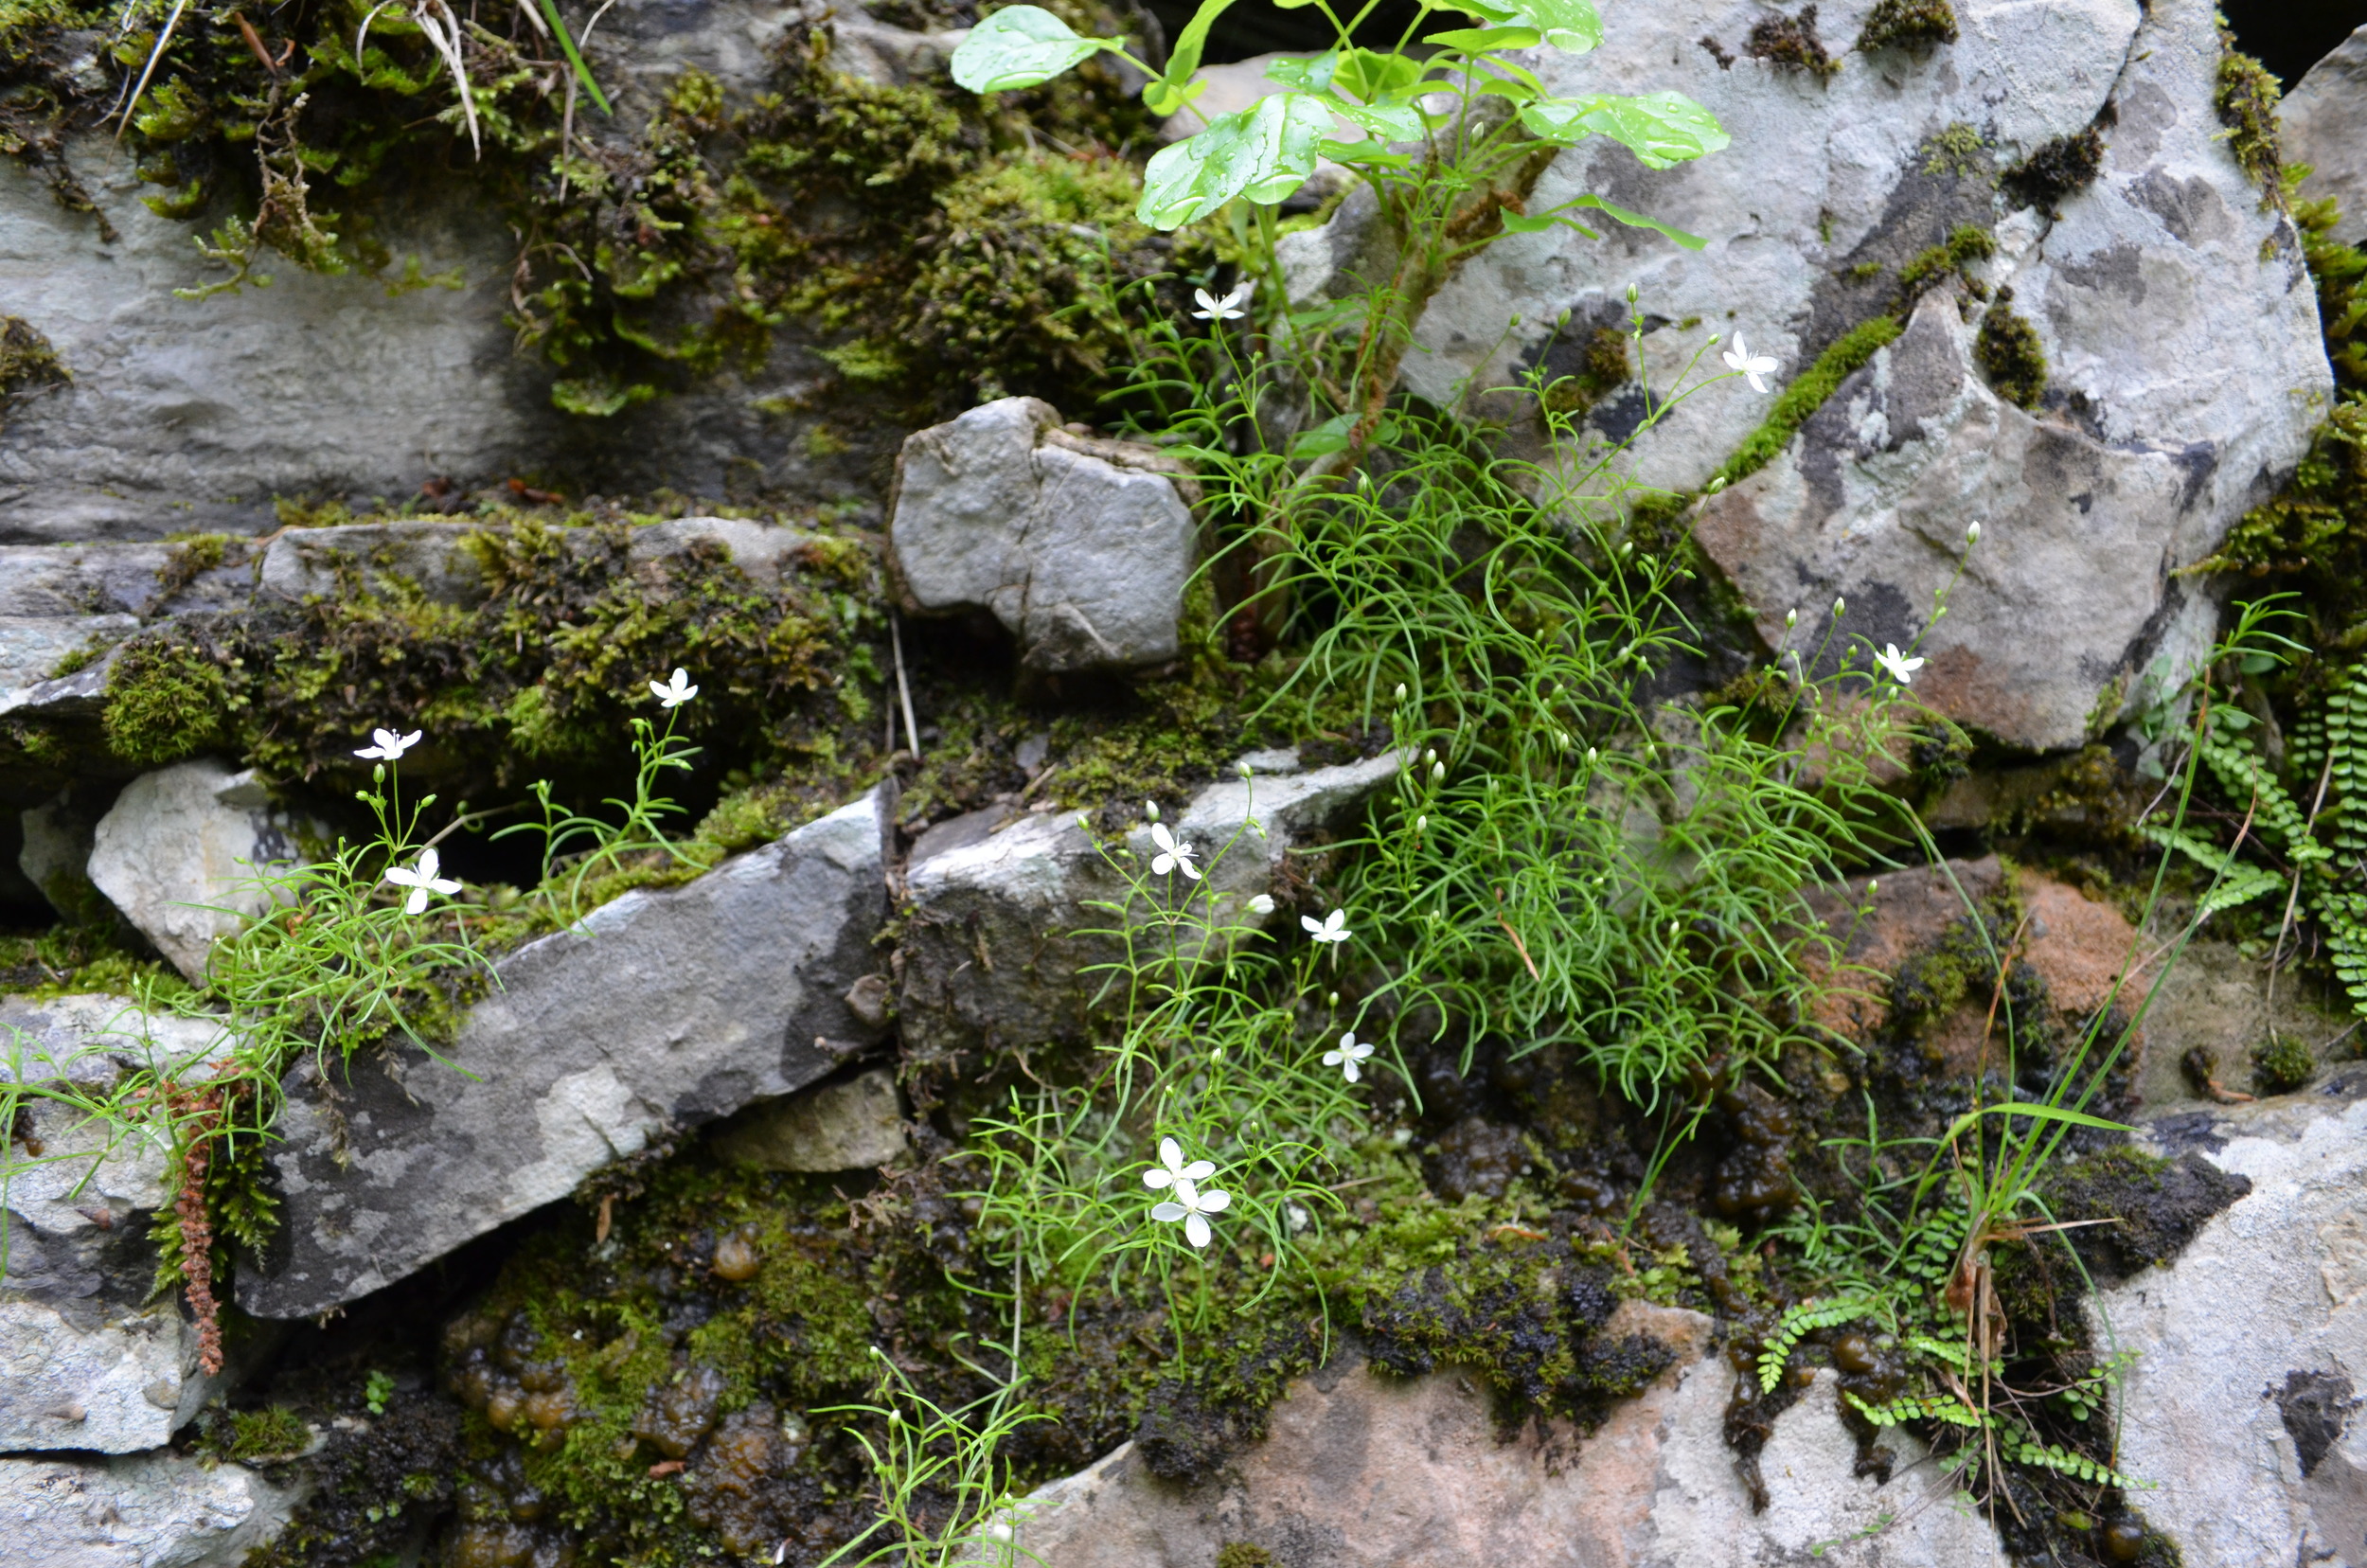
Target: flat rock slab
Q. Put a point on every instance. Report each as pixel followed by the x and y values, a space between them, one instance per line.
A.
pixel 2252 1345
pixel 159 1510
pixel 1365 1472
pixel 87 1359
pixel 669 1009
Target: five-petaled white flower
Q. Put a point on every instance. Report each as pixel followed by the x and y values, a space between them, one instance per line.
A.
pixel 1331 928
pixel 1174 854
pixel 674 693
pixel 1751 365
pixel 421 882
pixel 1185 1201
pixel 1227 309
pixel 1897 665
pixel 1347 1056
pixel 389 746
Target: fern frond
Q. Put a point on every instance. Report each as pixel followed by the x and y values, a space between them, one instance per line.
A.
pixel 1918 1407
pixel 1808 1317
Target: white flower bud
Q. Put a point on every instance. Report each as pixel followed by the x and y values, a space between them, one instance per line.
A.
pixel 1420 822
pixel 1430 754
pixel 1972 534
pixel 1437 772
pixel 1838 605
pixel 1400 692
pixel 1590 754
pixel 1791 618
pixel 1631 293
pixel 1244 769
pixel 1718 482
pixel 1333 1000
pixel 1151 808
pixel 1261 904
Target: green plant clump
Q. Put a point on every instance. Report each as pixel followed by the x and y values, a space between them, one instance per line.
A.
pixel 2281 1064
pixel 2246 100
pixel 1908 24
pixel 2009 354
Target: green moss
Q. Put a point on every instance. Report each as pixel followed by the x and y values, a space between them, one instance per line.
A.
pixel 1968 245
pixel 1241 1554
pixel 83 955
pixel 2246 99
pixel 1791 40
pixel 167 698
pixel 27 360
pixel 275 1433
pixel 1958 151
pixel 1602 367
pixel 1908 24
pixel 2281 1064
pixel 2009 354
pixel 2056 170
pixel 1806 394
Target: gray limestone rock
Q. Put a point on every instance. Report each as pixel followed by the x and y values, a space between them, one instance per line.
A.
pixel 663 1010
pixel 2325 124
pixel 1409 1473
pixel 87 1359
pixel 994 947
pixel 2252 1343
pixel 2185 369
pixel 151 1510
pixel 1081 547
pixel 176 853
pixel 852 1126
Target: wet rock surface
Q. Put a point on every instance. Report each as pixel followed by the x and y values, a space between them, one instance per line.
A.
pixel 181 852
pixel 669 1009
pixel 1410 1472
pixel 852 1125
pixel 1080 547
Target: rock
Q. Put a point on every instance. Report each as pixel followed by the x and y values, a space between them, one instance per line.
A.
pixel 53 853
pixel 158 1510
pixel 992 951
pixel 2133 466
pixel 2215 1000
pixel 2240 1407
pixel 1389 1473
pixel 87 1360
pixel 852 1126
pixel 1081 547
pixel 434 557
pixel 667 1010
pixel 177 851
pixel 81 600
pixel 196 414
pixel 2321 119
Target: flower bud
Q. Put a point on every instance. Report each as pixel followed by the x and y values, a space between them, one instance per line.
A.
pixel 1718 482
pixel 1590 754
pixel 1420 822
pixel 1151 808
pixel 1244 769
pixel 1437 772
pixel 1631 293
pixel 1261 904
pixel 1400 692
pixel 1838 605
pixel 1431 755
pixel 1333 1001
pixel 1791 618
pixel 1972 534
pixel 1561 322
pixel 1516 321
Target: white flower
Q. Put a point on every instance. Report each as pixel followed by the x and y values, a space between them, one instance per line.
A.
pixel 421 882
pixel 1331 928
pixel 1751 365
pixel 1227 309
pixel 1172 1170
pixel 1185 1200
pixel 1897 665
pixel 390 747
pixel 1174 855
pixel 1261 904
pixel 1972 534
pixel 1347 1056
pixel 674 693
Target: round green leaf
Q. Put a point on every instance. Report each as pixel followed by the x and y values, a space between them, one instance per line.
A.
pixel 1661 129
pixel 1019 46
